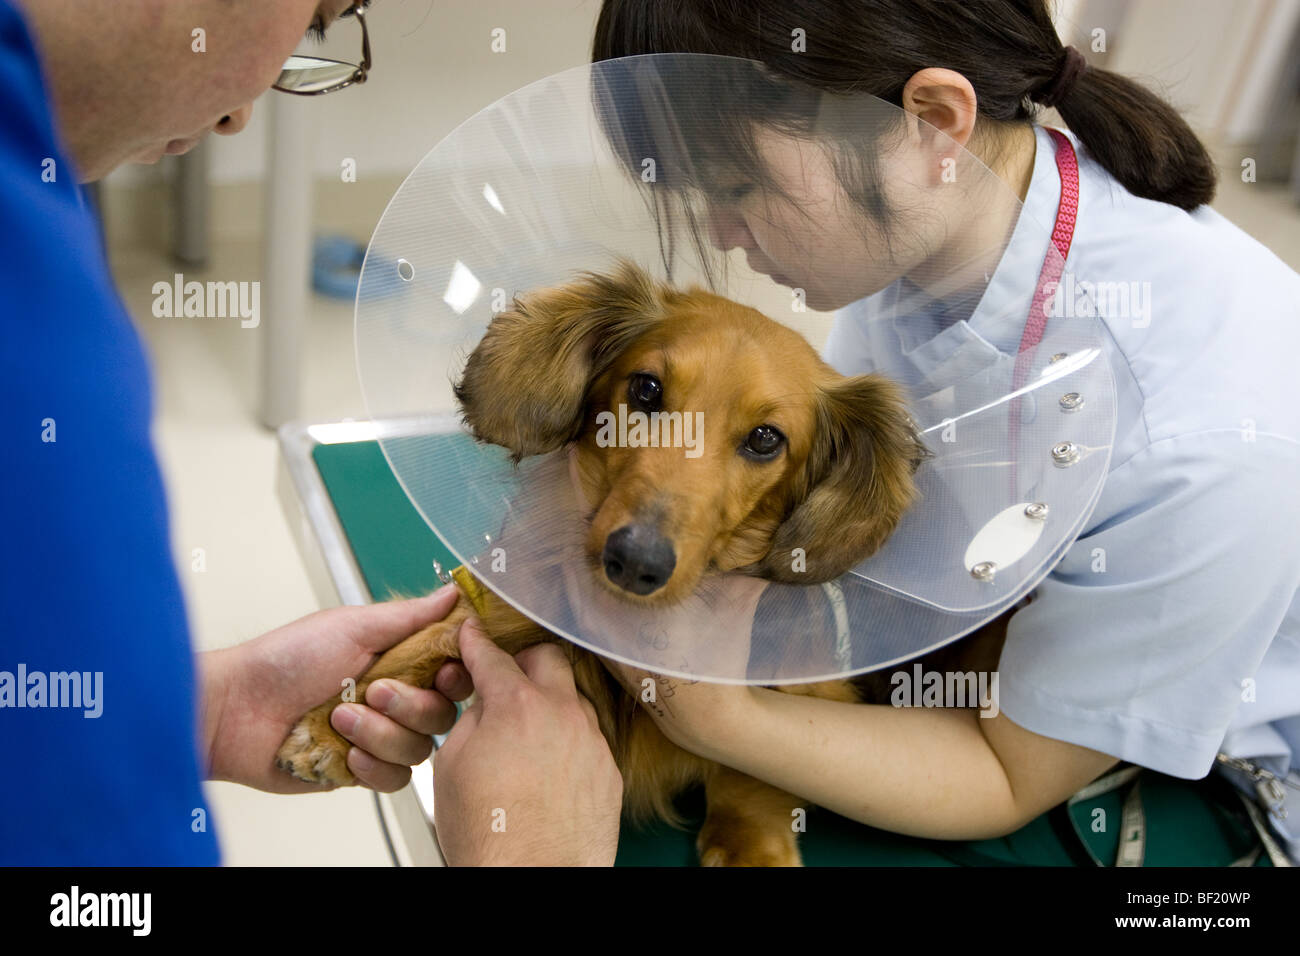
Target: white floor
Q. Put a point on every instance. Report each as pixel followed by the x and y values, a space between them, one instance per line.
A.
pixel 220 467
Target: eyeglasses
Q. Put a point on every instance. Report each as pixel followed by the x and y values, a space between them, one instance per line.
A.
pixel 314 75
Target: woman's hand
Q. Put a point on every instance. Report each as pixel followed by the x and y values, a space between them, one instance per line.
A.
pixel 254 693
pixel 696 715
pixel 710 636
pixel 708 633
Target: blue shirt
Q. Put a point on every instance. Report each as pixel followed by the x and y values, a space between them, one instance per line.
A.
pixel 1171 628
pixel 87 585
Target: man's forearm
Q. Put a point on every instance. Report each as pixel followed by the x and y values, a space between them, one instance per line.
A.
pixel 927 772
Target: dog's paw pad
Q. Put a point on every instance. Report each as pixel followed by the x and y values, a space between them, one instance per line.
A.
pixel 315 754
pixel 747 846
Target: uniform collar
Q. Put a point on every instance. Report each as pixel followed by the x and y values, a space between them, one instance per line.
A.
pixel 1000 317
pixel 996 324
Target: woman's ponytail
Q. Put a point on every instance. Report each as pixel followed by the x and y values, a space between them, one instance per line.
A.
pixel 1134 134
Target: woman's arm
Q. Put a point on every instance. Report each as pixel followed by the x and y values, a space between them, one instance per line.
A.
pixel 941 773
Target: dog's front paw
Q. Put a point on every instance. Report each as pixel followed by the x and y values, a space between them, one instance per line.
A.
pixel 727 840
pixel 315 752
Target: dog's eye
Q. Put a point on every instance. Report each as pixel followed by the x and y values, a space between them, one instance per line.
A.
pixel 645 392
pixel 763 442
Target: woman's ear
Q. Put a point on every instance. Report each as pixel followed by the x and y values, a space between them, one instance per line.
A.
pixel 855 485
pixel 943 98
pixel 525 384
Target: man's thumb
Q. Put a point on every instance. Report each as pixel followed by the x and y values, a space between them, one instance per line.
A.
pixel 384 624
pixel 487 664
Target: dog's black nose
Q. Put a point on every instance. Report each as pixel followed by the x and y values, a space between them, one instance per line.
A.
pixel 639 559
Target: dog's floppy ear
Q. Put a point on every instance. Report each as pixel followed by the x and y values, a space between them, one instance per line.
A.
pixel 525 384
pixel 855 486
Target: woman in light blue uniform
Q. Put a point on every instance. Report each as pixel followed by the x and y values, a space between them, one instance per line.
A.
pixel 1169 634
pixel 1171 629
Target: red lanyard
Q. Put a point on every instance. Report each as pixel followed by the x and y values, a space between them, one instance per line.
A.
pixel 1067 164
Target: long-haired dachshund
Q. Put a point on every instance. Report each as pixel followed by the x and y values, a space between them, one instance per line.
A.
pixel 794 455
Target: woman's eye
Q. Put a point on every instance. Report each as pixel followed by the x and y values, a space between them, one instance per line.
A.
pixel 645 392
pixel 764 442
pixel 316 32
pixel 729 195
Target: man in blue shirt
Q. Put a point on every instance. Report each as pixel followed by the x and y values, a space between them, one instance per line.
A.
pixel 107 726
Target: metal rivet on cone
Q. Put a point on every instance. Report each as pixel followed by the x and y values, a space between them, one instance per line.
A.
pixel 1065 453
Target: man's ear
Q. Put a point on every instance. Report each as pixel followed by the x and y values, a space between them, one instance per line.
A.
pixel 855 485
pixel 525 384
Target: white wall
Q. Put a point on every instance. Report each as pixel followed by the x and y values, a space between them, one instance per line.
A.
pixel 1217 61
pixel 433 68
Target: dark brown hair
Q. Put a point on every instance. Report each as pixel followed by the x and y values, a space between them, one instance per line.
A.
pixel 1008 50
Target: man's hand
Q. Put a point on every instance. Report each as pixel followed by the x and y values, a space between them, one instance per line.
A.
pixel 254 693
pixel 525 778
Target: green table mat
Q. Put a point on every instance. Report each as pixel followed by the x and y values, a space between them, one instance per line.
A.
pixel 1189 823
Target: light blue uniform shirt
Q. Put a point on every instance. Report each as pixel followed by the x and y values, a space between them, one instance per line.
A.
pixel 1187 641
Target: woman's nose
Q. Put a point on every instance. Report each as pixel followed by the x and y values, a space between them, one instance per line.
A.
pixel 727 230
pixel 234 121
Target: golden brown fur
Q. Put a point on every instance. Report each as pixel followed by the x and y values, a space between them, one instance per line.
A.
pixel 837 489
